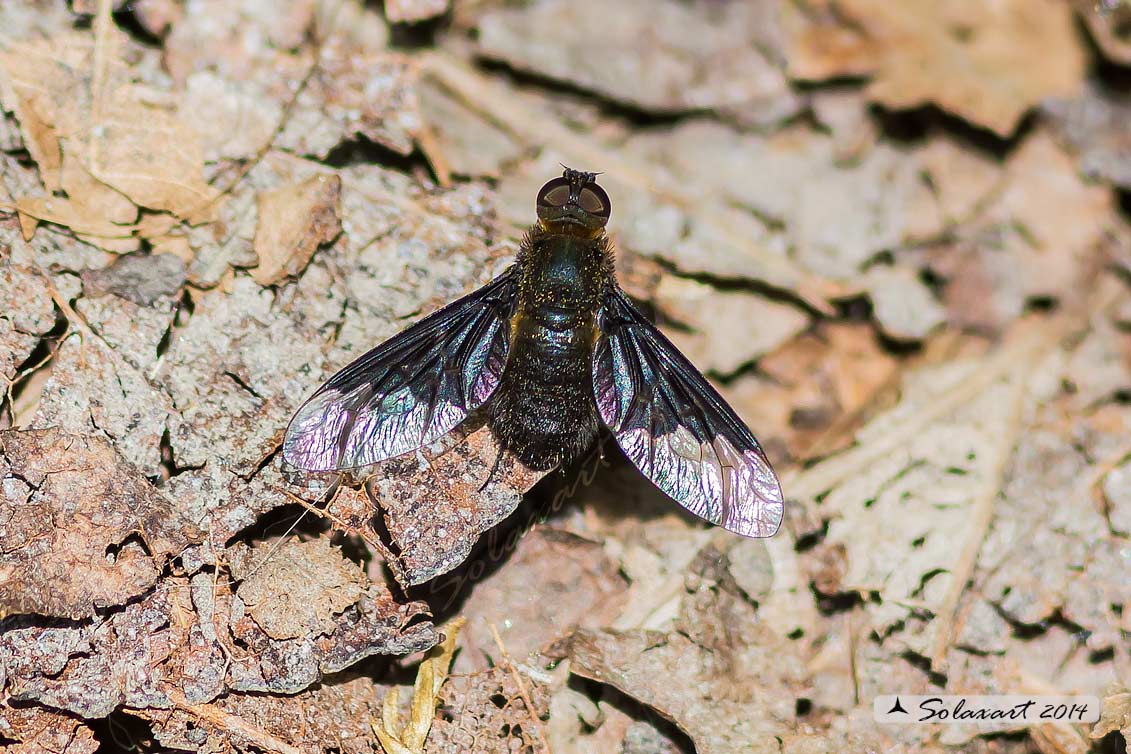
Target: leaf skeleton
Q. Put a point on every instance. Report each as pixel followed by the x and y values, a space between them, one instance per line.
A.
pixel 553 350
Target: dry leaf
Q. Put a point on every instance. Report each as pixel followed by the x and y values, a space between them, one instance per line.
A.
pixel 815 383
pixel 1015 248
pixel 299 588
pixel 113 132
pixel 149 155
pixel 1115 714
pixel 81 531
pixel 34 730
pixel 330 717
pixel 435 510
pixel 903 306
pixel 485 712
pixel 578 586
pixel 293 222
pixel 186 642
pixel 408 736
pixel 720 664
pixel 930 495
pixel 469 143
pixel 987 63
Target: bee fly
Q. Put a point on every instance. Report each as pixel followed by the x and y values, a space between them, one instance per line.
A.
pixel 553 350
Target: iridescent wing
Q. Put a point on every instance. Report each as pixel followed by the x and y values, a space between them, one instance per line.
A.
pixel 677 429
pixel 411 389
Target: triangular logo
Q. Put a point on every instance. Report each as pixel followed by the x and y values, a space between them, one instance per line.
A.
pixel 897 707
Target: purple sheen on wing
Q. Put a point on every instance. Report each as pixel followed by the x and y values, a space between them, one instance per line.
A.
pixel 312 438
pixel 380 435
pixel 738 492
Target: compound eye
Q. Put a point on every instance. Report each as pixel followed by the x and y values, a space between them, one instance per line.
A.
pixel 554 194
pixel 595 201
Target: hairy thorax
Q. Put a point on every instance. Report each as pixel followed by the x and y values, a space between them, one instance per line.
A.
pixel 546 396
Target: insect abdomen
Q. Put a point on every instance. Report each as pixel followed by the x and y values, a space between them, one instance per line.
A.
pixel 545 412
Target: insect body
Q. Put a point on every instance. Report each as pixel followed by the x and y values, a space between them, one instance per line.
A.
pixel 553 350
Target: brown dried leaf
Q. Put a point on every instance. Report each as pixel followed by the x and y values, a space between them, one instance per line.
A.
pixel 903 306
pixel 698 56
pixel 726 667
pixel 71 215
pixel 1051 550
pixel 817 384
pixel 435 510
pixel 986 63
pixel 92 668
pixel 111 130
pixel 963 182
pixel 293 222
pixel 577 586
pixel 34 730
pixel 469 143
pixel 1115 713
pixel 152 157
pixel 188 642
pixel 1016 248
pixel 330 717
pixel 300 588
pixel 931 495
pixel 484 713
pixel 790 179
pixel 820 45
pixel 81 530
pixel 377 625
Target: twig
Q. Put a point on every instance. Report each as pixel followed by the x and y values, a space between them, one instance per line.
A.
pixel 521 687
pixel 432 150
pixel 982 514
pixel 103 42
pixel 233 725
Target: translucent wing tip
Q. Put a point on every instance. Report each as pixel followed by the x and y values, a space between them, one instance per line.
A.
pixel 311 442
pixel 762 519
pixel 759 506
